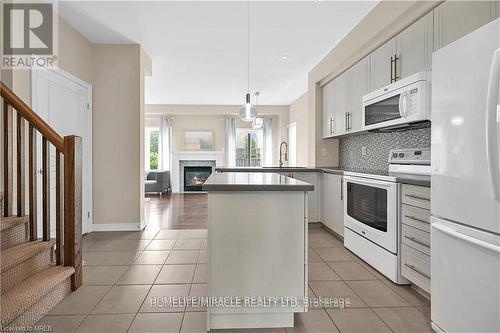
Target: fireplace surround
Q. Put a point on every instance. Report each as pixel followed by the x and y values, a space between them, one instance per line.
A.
pixel 181 159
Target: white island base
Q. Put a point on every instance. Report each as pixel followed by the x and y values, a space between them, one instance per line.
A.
pixel 257 247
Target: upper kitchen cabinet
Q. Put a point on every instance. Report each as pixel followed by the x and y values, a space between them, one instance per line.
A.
pixel 406 54
pixel 414 47
pixel 454 19
pixel 327 109
pixel 358 77
pixel 382 65
pixel 340 101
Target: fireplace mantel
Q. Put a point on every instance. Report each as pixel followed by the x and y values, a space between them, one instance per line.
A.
pixel 191 155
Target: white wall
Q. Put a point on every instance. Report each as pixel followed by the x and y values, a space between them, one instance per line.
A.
pixel 298 114
pixel 180 124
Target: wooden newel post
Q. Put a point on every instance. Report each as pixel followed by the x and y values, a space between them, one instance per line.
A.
pixel 73 207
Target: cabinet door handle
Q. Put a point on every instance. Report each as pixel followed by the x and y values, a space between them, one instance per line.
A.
pixel 396 58
pixel 392 69
pixel 417 197
pixel 418 271
pixel 416 219
pixel 349 120
pixel 413 239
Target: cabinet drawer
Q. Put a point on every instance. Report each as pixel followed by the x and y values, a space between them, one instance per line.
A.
pixel 418 196
pixel 416 217
pixel 417 239
pixel 416 267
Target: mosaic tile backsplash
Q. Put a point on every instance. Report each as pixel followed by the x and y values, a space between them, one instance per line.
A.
pixel 378 146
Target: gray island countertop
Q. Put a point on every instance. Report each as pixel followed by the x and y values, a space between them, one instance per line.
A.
pixel 419 180
pixel 254 181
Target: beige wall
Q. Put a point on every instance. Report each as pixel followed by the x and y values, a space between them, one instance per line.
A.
pixel 382 23
pixel 298 114
pixel 183 114
pixel 215 123
pixel 117 134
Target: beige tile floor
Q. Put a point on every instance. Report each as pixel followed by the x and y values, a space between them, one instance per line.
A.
pixel 123 271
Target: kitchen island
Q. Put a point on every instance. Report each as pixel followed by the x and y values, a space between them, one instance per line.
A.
pixel 257 249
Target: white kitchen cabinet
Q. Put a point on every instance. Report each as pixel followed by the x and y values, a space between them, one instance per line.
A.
pixel 327 109
pixel 454 19
pixel 406 54
pixel 332 213
pixel 415 46
pixel 340 101
pixel 381 64
pixel 359 85
pixel 313 197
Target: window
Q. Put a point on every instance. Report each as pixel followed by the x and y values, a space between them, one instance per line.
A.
pixel 249 143
pixel 152 158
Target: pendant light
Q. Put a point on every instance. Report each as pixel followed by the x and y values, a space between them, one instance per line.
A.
pixel 248 112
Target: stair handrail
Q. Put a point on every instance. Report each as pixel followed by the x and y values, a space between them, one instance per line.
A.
pixel 68 182
pixel 34 119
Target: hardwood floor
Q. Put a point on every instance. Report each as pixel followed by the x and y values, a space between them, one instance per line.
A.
pixel 177 211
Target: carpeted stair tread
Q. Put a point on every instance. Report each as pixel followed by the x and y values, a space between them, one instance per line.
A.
pixel 17 254
pixel 12 221
pixel 23 296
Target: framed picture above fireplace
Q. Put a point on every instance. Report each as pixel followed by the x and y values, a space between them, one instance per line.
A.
pixel 198 140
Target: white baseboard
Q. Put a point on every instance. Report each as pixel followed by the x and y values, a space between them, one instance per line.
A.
pixel 119 226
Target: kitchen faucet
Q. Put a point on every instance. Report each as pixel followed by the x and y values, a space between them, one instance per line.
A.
pixel 281 153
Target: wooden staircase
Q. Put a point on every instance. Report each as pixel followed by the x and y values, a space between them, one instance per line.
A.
pixel 37 273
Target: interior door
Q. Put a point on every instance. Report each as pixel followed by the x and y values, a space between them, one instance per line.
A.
pixel 64 102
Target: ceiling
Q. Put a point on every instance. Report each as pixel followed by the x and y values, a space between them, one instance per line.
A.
pixel 198 49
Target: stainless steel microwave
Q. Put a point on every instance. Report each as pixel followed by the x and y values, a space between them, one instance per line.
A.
pixel 400 105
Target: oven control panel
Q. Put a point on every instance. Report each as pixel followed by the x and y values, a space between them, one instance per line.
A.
pixel 410 156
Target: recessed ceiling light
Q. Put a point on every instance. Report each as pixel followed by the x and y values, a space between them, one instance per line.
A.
pixel 284 57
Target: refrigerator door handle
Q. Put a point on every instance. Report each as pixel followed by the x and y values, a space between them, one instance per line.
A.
pixel 453 233
pixel 492 125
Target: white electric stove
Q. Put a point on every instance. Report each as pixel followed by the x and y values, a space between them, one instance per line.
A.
pixel 372 209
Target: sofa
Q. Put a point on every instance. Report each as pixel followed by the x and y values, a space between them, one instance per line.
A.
pixel 157 181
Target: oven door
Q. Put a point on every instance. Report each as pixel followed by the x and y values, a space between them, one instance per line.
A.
pixel 370 210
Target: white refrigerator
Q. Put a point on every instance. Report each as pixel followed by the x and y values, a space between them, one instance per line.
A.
pixel 465 222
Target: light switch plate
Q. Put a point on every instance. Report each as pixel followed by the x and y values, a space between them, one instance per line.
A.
pixel 324 152
pixel 363 151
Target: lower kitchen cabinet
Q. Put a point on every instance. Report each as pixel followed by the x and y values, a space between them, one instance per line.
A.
pixel 415 235
pixel 332 213
pixel 313 199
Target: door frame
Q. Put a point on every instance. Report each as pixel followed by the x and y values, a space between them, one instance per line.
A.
pixel 35 84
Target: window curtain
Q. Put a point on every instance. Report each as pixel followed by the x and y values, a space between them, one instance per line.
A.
pixel 231 142
pixel 268 142
pixel 165 140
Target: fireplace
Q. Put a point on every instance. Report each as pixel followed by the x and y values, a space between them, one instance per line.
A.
pixel 195 176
